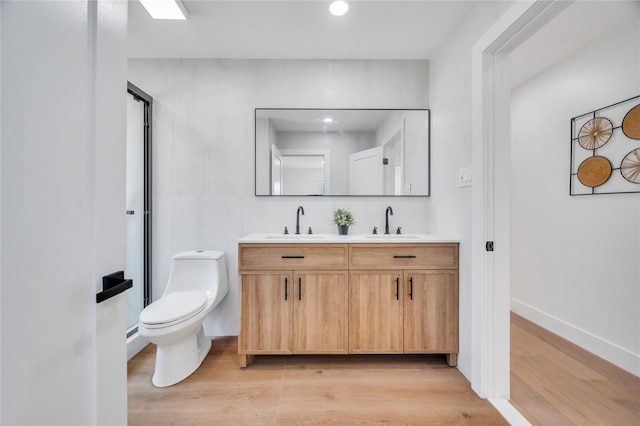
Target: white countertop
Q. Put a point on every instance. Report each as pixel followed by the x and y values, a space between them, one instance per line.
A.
pixel 346 239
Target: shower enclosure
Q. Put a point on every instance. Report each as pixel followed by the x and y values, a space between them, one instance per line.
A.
pixel 138 203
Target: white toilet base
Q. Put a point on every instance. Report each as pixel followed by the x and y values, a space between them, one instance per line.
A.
pixel 176 362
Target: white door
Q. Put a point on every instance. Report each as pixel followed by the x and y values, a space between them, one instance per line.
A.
pixel 276 171
pixel 366 172
pixel 63 220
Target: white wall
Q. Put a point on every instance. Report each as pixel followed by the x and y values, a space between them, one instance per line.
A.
pixel 450 206
pixel 63 92
pixel 575 260
pixel 204 152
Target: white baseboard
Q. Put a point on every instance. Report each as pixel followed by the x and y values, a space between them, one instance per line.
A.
pixel 135 343
pixel 509 412
pixel 611 352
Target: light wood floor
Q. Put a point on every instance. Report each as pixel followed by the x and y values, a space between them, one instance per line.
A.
pixel 554 382
pixel 312 390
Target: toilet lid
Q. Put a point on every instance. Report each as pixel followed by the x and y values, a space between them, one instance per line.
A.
pixel 174 307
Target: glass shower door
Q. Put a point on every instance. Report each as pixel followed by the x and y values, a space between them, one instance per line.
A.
pixel 135 210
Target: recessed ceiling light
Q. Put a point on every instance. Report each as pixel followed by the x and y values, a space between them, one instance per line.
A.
pixel 328 120
pixel 165 9
pixel 339 7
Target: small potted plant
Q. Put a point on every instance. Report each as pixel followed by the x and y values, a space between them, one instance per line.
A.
pixel 343 218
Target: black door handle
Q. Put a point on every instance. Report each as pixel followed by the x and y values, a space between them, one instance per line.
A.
pixel 405 257
pixel 293 257
pixel 299 288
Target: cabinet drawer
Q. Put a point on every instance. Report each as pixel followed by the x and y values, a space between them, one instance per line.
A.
pixel 404 256
pixel 273 257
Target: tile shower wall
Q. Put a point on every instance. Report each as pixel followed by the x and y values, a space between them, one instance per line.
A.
pixel 203 159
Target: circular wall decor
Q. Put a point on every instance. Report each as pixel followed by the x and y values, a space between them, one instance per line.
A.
pixel 631 123
pixel 595 133
pixel 630 166
pixel 594 171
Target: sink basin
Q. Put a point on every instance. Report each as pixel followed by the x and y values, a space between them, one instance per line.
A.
pixel 392 237
pixel 296 237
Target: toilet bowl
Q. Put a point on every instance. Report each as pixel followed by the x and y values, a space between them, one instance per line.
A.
pixel 197 283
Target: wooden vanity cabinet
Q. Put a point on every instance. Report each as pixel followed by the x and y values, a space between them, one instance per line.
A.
pixel 294 299
pixel 323 298
pixel 421 316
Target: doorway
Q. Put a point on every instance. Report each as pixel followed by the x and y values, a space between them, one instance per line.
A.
pixel 138 204
pixel 491 196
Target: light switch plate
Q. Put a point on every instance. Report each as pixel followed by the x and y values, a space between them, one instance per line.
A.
pixel 464 177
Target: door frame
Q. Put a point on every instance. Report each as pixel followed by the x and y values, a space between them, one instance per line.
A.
pixel 491 143
pixel 147 101
pixel 326 156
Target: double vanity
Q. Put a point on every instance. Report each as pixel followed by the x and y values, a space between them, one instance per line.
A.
pixel 355 294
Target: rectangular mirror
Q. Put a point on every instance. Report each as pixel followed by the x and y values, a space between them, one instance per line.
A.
pixel 370 152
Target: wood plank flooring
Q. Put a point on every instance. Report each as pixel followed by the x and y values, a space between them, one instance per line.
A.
pixel 307 390
pixel 554 382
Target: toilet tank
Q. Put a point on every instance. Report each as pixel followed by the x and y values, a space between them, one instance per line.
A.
pixel 198 270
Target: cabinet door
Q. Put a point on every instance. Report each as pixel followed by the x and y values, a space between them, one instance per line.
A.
pixel 375 312
pixel 321 313
pixel 267 309
pixel 431 312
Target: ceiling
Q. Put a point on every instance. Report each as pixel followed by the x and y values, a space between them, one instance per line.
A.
pixel 373 29
pixel 311 120
pixel 296 29
pixel 581 24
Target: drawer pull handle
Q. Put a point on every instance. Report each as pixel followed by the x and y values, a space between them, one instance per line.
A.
pixel 411 288
pixel 404 257
pixel 286 288
pixel 299 288
pixel 293 257
pixel 397 288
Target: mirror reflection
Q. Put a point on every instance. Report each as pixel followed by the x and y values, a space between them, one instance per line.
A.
pixel 372 152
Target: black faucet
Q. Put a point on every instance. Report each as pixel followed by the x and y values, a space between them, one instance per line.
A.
pixel 386 219
pixel 300 210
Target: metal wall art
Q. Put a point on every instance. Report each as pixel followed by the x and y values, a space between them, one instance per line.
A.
pixel 605 150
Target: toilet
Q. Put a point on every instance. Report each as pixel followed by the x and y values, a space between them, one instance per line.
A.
pixel 197 283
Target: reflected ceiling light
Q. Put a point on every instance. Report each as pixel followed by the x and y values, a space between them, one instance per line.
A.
pixel 328 120
pixel 339 8
pixel 165 9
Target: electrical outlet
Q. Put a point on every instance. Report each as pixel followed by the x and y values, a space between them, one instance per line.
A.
pixel 464 177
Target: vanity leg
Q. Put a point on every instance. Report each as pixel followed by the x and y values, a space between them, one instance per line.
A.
pixel 452 359
pixel 244 360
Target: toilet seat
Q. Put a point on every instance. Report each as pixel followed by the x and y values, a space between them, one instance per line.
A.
pixel 173 308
